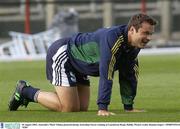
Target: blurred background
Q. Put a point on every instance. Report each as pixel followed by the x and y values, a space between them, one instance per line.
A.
pixel 71 16
pixel 28 27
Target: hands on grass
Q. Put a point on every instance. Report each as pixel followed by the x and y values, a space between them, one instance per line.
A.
pixel 135 110
pixel 104 113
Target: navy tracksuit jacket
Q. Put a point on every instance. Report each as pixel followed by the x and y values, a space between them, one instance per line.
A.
pixel 101 53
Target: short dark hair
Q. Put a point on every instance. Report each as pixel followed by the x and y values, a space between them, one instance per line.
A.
pixel 137 20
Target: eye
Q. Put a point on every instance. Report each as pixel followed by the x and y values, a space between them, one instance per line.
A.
pixel 147 33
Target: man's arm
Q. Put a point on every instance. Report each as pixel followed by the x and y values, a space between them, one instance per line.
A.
pixel 109 47
pixel 128 79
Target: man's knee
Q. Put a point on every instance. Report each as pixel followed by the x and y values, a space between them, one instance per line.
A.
pixel 70 108
pixel 83 108
pixel 67 108
pixel 57 107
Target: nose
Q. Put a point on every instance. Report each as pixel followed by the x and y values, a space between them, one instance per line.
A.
pixel 149 37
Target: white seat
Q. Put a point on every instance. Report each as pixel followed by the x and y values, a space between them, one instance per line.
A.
pixel 24 45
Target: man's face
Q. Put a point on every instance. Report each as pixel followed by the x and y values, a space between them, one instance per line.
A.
pixel 141 37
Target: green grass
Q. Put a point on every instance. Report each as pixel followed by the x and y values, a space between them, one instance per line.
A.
pixel 158 93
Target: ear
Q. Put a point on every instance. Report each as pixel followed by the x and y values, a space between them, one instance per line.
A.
pixel 131 29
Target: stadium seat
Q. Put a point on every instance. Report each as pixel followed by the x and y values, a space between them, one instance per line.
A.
pixel 28 46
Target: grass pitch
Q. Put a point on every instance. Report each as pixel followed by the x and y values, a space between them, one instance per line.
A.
pixel 158 93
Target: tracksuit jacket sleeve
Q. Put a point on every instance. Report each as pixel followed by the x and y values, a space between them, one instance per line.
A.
pixel 105 86
pixel 128 83
pixel 106 71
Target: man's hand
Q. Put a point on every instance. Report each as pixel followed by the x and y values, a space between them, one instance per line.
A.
pixel 104 113
pixel 135 110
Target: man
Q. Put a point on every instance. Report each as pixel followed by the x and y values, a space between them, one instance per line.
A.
pixel 100 53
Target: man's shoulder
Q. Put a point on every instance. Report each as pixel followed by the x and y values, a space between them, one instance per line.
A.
pixel 116 30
